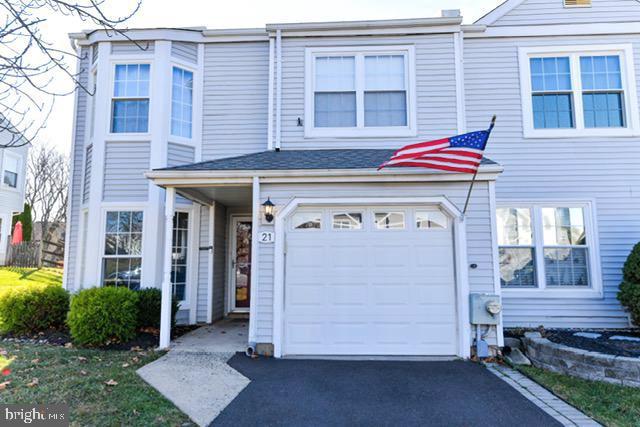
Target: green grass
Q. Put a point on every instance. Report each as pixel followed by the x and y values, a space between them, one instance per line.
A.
pixel 610 404
pixel 14 277
pixel 77 377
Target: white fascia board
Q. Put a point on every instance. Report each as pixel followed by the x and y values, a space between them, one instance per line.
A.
pixel 476 31
pixel 368 25
pixel 442 29
pixel 194 35
pixel 213 178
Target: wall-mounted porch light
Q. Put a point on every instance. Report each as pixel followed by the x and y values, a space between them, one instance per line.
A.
pixel 268 210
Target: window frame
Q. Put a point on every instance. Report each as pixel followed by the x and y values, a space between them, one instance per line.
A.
pixel 191 69
pixel 103 239
pixel 19 171
pixel 359 52
pixel 627 70
pixel 127 136
pixel 594 290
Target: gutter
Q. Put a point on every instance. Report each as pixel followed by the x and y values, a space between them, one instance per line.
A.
pixel 364 25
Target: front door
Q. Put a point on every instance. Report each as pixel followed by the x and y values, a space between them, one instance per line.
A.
pixel 241 264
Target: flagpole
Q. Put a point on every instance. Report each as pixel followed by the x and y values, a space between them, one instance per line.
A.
pixel 473 180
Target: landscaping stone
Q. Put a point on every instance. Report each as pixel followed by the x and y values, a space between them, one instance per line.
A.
pixel 515 357
pixel 532 335
pixel 512 342
pixel 581 363
pixel 591 335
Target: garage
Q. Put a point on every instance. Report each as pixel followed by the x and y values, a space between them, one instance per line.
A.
pixel 368 280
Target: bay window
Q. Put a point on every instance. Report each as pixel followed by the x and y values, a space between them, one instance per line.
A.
pixel 181 102
pixel 579 91
pixel 548 247
pixel 130 103
pixel 360 91
pixel 122 257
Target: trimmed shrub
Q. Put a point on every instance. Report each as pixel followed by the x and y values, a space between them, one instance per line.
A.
pixel 149 304
pixel 100 316
pixel 33 309
pixel 629 295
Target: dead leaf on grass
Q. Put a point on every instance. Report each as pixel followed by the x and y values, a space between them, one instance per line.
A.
pixel 3 352
pixel 83 373
pixel 125 365
pixel 68 345
pixel 34 382
pixel 82 359
pixel 35 361
pixel 136 348
pixel 111 383
pixel 135 359
pixel 3 385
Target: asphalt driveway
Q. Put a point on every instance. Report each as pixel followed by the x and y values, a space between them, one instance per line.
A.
pixel 375 393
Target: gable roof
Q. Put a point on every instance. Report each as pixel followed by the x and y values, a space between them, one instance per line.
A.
pixel 299 160
pixel 498 12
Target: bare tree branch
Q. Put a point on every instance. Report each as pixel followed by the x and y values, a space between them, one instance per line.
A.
pixel 32 69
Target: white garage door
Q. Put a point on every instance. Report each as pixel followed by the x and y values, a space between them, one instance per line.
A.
pixel 369 281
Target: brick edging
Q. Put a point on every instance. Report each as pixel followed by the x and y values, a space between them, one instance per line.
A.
pixel 580 363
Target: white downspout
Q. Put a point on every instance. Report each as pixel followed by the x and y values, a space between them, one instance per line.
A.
pixel 270 94
pixel 461 113
pixel 278 88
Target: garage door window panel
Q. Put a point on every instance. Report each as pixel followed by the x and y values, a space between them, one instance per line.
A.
pixel 347 221
pixel 391 220
pixel 307 221
pixel 431 220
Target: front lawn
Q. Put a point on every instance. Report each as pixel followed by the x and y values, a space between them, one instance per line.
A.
pixel 101 387
pixel 610 404
pixel 13 277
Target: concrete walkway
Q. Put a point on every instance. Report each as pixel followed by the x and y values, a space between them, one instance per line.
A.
pixel 194 374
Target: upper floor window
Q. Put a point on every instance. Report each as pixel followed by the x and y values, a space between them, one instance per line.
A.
pixel 360 91
pixel 130 105
pixel 578 91
pixel 11 169
pixel 181 103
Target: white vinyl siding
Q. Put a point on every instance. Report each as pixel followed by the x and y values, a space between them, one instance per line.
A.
pixel 124 167
pixel 130 48
pixel 185 51
pixel 86 185
pixel 541 12
pixel 235 99
pixel 600 169
pixel 204 264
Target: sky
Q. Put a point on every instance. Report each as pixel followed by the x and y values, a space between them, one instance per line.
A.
pixel 239 14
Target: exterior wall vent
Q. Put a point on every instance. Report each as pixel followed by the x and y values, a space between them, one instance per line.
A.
pixel 577 3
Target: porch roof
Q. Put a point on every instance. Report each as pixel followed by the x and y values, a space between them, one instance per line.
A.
pixel 299 160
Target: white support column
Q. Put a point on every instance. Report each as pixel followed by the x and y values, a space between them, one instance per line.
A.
pixel 167 291
pixel 255 227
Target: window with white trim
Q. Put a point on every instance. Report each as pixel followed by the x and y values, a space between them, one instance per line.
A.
pixel 358 91
pixel 122 257
pixel 545 246
pixel 10 170
pixel 130 103
pixel 579 91
pixel 181 102
pixel 179 255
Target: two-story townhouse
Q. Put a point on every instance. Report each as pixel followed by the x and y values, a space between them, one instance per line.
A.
pixel 13 166
pixel 256 152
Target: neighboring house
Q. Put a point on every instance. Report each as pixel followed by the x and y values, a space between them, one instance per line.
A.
pixel 356 261
pixel 13 165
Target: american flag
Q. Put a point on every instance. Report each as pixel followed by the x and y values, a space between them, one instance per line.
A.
pixel 461 153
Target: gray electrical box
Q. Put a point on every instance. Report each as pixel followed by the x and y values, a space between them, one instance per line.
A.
pixel 484 309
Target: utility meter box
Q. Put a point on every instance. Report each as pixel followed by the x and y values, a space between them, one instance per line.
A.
pixel 484 309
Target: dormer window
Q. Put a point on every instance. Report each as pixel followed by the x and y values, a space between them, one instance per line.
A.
pixel 360 91
pixel 577 3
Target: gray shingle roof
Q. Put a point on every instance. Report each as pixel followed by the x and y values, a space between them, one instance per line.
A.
pixel 299 159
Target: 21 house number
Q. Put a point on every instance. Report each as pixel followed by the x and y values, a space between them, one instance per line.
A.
pixel 266 237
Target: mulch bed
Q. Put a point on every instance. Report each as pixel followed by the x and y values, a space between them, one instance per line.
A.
pixel 146 339
pixel 601 344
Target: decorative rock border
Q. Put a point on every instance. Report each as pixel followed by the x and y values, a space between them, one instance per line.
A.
pixel 581 363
